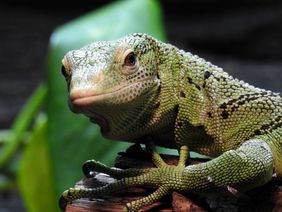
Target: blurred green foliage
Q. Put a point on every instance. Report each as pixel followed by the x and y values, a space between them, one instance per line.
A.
pixel 35 178
pixel 58 142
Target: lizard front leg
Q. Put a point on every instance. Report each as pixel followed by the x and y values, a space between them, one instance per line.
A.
pixel 249 166
pixel 91 166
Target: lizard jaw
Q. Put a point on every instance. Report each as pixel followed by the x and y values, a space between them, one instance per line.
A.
pixel 95 97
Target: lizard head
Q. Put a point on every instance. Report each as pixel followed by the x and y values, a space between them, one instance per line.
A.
pixel 110 80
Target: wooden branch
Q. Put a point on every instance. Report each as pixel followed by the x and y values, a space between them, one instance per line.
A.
pixel 266 198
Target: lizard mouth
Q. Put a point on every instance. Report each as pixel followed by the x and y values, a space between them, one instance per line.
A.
pixel 94 97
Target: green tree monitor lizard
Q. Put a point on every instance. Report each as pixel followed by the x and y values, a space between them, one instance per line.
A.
pixel 139 89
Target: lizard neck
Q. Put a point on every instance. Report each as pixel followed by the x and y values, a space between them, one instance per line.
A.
pixel 132 121
pixel 183 80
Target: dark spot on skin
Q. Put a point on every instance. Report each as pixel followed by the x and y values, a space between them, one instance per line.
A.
pixel 224 114
pixel 182 94
pixel 157 105
pixel 197 86
pixel 232 101
pixel 276 126
pixel 253 98
pixel 268 128
pixel 223 106
pixel 209 114
pixel 242 100
pixel 190 80
pixel 158 76
pixel 257 132
pixel 192 83
pixel 207 75
pixel 273 125
pixel 217 78
pixel 176 109
pixel 241 103
pixel 179 124
pixel 265 127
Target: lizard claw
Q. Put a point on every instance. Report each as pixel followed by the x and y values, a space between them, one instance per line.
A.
pixel 88 169
pixel 63 203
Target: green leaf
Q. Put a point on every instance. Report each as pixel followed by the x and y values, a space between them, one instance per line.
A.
pixel 72 138
pixel 35 176
pixel 21 124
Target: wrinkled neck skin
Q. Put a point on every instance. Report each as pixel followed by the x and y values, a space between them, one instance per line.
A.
pixel 129 121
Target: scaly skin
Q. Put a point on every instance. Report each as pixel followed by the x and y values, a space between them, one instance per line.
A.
pixel 142 90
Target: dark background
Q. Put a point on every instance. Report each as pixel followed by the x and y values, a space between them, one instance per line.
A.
pixel 244 39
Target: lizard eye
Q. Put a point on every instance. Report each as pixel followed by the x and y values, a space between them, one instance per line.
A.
pixel 130 59
pixel 130 62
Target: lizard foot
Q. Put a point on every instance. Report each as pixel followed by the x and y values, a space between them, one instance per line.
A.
pixel 165 178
